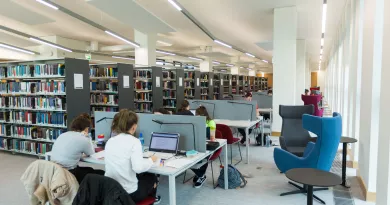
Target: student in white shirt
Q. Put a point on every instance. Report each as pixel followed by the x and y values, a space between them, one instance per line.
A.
pixel 124 159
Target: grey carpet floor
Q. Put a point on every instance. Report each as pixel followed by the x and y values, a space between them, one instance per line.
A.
pixel 263 187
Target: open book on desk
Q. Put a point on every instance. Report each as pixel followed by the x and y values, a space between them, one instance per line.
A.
pixel 98 155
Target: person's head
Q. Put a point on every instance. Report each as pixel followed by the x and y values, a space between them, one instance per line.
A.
pixel 81 124
pixel 202 111
pixel 248 96
pixel 306 92
pixel 161 111
pixel 185 105
pixel 125 121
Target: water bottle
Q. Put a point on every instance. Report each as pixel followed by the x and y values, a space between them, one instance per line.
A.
pixel 141 138
pixel 267 141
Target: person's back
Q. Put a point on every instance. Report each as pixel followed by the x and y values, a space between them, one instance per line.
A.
pixel 185 109
pixel 69 147
pixel 185 112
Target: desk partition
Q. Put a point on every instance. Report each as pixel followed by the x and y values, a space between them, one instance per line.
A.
pixel 148 123
pixel 263 99
pixel 227 109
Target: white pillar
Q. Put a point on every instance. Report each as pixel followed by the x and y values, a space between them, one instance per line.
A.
pixel 206 65
pixel 145 55
pixel 371 72
pixel 301 71
pixel 284 61
pixel 234 70
pixel 307 74
pixel 383 169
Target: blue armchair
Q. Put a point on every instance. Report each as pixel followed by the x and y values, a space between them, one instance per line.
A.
pixel 319 155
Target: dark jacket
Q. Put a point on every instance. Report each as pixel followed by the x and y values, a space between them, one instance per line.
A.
pixel 185 112
pixel 100 190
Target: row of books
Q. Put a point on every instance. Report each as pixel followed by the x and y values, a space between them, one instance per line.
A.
pixel 29 146
pixel 38 133
pixel 45 118
pixel 204 76
pixel 106 109
pixel 169 103
pixel 189 84
pixel 143 97
pixel 33 87
pixel 29 102
pixel 38 70
pixel 143 85
pixel 189 93
pixel 169 93
pixel 169 85
pixel 103 72
pixel 189 75
pixel 104 99
pixel 142 74
pixel 3 143
pixel 143 107
pixel 204 84
pixel 104 86
pixel 169 75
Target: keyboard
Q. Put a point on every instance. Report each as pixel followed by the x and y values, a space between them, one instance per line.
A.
pixel 160 155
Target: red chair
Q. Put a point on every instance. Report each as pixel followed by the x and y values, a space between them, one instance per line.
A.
pixel 228 135
pixel 147 201
pixel 211 159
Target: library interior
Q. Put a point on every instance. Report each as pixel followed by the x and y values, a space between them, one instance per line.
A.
pixel 144 102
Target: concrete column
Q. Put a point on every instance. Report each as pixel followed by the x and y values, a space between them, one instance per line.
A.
pixel 301 71
pixel 383 169
pixel 284 61
pixel 370 93
pixel 206 65
pixel 145 55
pixel 234 70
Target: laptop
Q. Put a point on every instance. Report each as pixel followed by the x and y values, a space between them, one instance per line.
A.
pixel 193 112
pixel 163 145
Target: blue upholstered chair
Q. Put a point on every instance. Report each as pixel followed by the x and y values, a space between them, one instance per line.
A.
pixel 318 155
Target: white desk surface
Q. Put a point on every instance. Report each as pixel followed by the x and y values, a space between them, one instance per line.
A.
pixel 264 110
pixel 237 123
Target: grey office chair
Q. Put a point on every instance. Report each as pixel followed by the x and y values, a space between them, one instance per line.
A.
pixel 294 138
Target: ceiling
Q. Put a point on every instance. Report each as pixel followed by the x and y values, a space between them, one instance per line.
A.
pixel 245 24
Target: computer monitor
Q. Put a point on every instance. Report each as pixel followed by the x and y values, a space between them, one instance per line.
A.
pixel 193 111
pixel 164 142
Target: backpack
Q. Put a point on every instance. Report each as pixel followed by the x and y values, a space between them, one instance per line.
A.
pixel 235 178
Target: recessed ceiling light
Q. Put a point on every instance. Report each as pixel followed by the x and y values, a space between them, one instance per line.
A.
pixel 47 4
pixel 120 57
pixel 175 4
pixel 216 62
pixel 193 58
pixel 222 43
pixel 248 54
pixel 123 39
pixel 264 61
pixel 17 49
pixel 230 65
pixel 51 44
pixel 164 52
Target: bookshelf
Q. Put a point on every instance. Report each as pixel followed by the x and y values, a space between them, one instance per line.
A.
pixel 173 83
pixel 241 83
pixel 235 87
pixel 246 83
pixel 148 89
pixel 207 86
pixel 218 87
pixel 34 102
pixel 227 84
pixel 263 83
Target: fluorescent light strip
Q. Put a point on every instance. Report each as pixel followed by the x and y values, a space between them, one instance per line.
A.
pixel 16 49
pixel 164 43
pixel 159 63
pixel 230 65
pixel 164 52
pixel 47 4
pixel 264 61
pixel 249 68
pixel 324 8
pixel 125 40
pixel 223 70
pixel 321 52
pixel 222 43
pixel 248 54
pixel 216 62
pixel 175 5
pixel 322 41
pixel 193 58
pixel 120 57
pixel 50 44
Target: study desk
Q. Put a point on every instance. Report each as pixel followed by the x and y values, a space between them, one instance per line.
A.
pixel 243 124
pixel 172 173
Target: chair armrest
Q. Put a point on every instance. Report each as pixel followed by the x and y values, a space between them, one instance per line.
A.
pixel 282 142
pixel 308 149
pixel 285 161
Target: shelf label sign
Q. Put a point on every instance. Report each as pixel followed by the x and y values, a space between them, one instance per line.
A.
pixel 78 81
pixel 230 81
pixel 221 82
pixel 211 82
pixel 197 81
pixel 126 81
pixel 157 82
pixel 180 81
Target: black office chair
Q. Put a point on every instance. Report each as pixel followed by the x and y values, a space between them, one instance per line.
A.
pixel 293 137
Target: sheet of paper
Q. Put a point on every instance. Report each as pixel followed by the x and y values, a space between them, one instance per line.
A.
pixel 98 155
pixel 78 81
pixel 197 81
pixel 180 81
pixel 177 163
pixel 157 82
pixel 221 82
pixel 126 81
pixel 211 82
pixel 230 81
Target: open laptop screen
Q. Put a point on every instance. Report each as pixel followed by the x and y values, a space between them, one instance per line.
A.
pixel 164 142
pixel 193 111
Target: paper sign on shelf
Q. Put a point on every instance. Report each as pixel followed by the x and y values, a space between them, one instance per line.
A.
pixel 197 81
pixel 157 82
pixel 180 81
pixel 126 81
pixel 211 81
pixel 78 81
pixel 230 81
pixel 221 82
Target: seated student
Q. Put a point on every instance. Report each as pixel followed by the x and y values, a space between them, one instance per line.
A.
pixel 70 146
pixel 125 162
pixel 161 111
pixel 200 174
pixel 307 92
pixel 248 97
pixel 185 109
